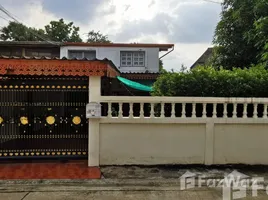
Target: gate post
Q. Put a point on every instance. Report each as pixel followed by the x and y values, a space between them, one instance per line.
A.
pixel 93 124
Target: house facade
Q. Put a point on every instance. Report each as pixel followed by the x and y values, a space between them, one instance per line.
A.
pixel 130 58
pixel 137 62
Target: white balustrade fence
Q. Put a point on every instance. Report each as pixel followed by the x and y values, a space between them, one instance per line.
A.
pixel 179 130
pixel 183 107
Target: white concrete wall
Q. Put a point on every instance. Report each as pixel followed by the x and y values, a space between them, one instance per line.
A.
pixel 189 141
pixel 151 140
pixel 113 54
pixel 241 143
pixel 151 144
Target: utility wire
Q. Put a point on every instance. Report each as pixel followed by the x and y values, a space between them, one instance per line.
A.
pixel 12 17
pixel 4 18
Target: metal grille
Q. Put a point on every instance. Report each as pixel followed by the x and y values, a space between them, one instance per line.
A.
pixel 43 117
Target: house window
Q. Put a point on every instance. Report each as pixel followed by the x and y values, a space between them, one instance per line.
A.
pixel 90 55
pixel 132 58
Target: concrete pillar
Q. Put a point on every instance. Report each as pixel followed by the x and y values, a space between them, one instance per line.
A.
pixel 209 146
pixel 93 124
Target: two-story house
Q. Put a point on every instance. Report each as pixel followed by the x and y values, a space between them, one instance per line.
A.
pixel 136 61
pixel 130 58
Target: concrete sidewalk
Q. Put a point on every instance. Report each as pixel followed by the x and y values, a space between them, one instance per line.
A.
pixel 120 195
pixel 109 189
pixel 131 182
pixel 82 192
pixel 111 195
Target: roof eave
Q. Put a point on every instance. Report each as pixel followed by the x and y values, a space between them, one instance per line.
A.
pixel 162 47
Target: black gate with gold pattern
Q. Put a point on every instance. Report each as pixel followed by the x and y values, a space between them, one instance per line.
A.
pixel 43 117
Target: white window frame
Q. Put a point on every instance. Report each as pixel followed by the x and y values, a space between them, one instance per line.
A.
pixel 140 55
pixel 81 51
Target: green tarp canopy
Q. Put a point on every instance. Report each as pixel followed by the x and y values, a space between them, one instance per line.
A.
pixel 134 84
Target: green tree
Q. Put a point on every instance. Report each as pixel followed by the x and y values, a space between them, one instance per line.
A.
pixel 260 32
pixel 97 37
pixel 57 31
pixel 60 31
pixel 18 32
pixel 239 36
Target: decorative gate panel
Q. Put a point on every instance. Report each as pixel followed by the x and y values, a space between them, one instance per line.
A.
pixel 43 117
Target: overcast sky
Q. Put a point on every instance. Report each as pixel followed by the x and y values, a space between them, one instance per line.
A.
pixel 189 24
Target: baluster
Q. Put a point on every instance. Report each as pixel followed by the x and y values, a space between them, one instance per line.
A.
pixel 173 110
pixel 235 111
pixel 255 113
pixel 109 109
pixel 204 112
pixel 130 110
pixel 183 112
pixel 194 110
pixel 225 110
pixel 152 111
pixel 265 111
pixel 162 110
pixel 141 110
pixel 120 112
pixel 214 114
pixel 245 113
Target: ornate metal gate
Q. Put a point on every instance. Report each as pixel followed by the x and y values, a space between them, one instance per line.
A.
pixel 42 116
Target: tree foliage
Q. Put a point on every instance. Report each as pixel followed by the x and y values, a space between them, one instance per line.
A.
pixel 97 37
pixel 58 31
pixel 209 82
pixel 241 35
pixel 18 32
pixel 260 33
pixel 62 32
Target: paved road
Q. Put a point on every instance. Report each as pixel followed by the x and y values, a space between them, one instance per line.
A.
pixel 111 190
pixel 120 183
pixel 111 195
pixel 121 195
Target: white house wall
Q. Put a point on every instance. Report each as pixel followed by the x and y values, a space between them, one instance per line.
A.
pixel 113 54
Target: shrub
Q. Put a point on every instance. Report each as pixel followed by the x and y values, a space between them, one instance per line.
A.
pixel 209 82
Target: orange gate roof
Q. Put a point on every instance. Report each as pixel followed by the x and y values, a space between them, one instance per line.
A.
pixel 56 67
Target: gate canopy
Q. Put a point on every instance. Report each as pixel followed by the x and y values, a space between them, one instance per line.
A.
pixel 56 67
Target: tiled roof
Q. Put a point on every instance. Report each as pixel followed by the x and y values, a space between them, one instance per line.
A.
pixel 49 58
pixel 203 58
pixel 29 43
pixel 162 47
pixel 130 75
pixel 55 66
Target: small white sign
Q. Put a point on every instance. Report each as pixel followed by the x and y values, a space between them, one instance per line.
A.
pixel 93 110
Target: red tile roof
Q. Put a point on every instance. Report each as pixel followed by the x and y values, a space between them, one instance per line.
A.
pixel 56 67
